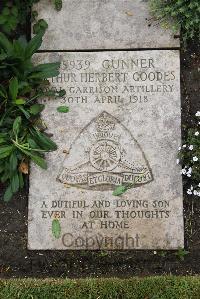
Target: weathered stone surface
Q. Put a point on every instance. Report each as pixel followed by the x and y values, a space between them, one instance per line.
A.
pixel 102 24
pixel 123 127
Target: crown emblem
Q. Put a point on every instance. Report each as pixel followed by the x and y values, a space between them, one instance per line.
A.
pixel 105 123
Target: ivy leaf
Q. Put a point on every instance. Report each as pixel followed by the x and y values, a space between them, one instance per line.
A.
pixel 56 228
pixel 13 88
pixel 36 108
pixel 63 109
pixel 120 190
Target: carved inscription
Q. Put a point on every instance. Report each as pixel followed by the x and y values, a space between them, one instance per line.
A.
pixel 109 156
pixel 122 128
pixel 114 79
pixel 104 216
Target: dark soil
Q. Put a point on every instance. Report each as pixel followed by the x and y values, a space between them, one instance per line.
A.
pixel 17 261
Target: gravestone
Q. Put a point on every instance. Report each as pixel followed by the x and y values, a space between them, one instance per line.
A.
pixel 103 24
pixel 123 128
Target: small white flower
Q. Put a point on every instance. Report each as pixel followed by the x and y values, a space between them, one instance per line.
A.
pixel 191 187
pixel 183 171
pixel 189 170
pixel 196 133
pixel 195 159
pixel 198 194
pixel 189 192
pixel 155 252
pixel 177 161
pixel 191 147
pixel 195 192
pixel 179 148
pixel 199 185
pixel 198 113
pixel 184 146
pixel 188 175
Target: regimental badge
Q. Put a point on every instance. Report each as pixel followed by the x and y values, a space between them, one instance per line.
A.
pixel 105 155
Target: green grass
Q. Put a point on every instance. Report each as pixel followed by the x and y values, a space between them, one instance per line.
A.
pixel 162 287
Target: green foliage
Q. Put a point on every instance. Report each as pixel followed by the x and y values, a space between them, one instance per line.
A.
pixel 58 4
pixel 9 18
pixel 179 14
pixel 155 287
pixel 21 84
pixel 16 12
pixel 162 253
pixel 119 190
pixel 63 109
pixel 182 253
pixel 103 253
pixel 189 157
pixel 40 25
pixel 56 228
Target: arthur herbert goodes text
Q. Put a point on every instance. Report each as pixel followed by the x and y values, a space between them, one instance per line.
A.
pixel 115 81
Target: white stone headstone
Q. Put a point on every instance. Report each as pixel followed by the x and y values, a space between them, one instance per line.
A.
pixel 123 127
